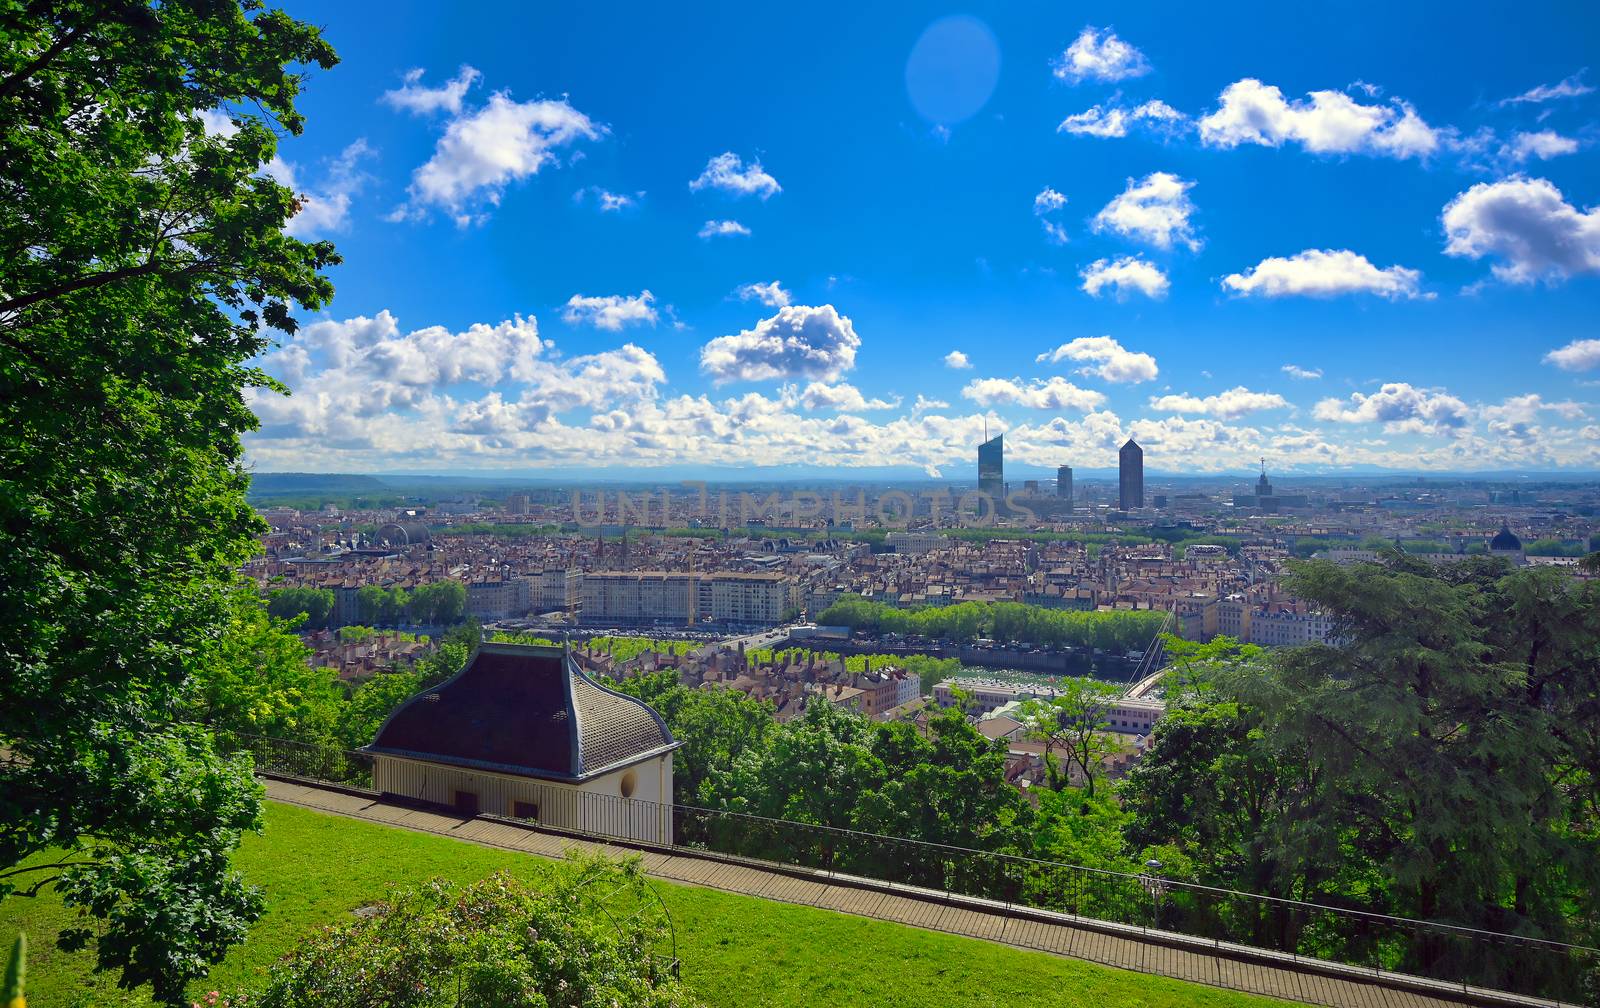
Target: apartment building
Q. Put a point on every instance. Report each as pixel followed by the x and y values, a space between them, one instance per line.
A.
pixel 723 596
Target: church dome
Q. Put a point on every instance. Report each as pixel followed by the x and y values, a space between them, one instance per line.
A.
pixel 1505 540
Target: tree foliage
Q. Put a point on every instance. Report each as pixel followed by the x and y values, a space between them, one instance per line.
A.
pixel 145 265
pixel 1008 622
pixel 1438 762
pixel 314 606
pixel 589 937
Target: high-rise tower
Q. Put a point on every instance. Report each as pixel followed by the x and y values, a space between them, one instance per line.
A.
pixel 1064 484
pixel 1130 477
pixel 992 468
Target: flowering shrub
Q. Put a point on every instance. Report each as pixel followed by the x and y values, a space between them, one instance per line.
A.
pixel 590 937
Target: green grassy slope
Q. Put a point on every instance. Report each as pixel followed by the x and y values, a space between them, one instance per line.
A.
pixel 736 950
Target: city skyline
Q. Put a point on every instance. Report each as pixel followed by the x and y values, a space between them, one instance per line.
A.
pixel 549 266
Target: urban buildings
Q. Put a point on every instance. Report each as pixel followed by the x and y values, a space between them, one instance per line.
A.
pixel 1064 484
pixel 1130 477
pixel 623 597
pixel 991 468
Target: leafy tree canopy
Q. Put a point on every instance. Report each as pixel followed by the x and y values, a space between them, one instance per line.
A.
pixel 146 264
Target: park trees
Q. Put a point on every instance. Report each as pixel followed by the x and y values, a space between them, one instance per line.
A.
pixel 147 265
pixel 314 605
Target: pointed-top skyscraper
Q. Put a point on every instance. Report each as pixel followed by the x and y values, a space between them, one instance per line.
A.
pixel 1130 477
pixel 992 468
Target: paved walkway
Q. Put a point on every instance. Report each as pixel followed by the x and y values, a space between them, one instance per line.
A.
pixel 1129 953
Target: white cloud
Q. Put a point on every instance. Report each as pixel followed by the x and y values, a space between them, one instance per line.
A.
pixel 843 396
pixel 1115 121
pixel 722 229
pixel 1528 225
pixel 1544 145
pixel 955 360
pixel 1399 406
pixel 729 173
pixel 324 210
pixel 798 342
pixel 1054 393
pixel 1110 360
pixel 1229 405
pixel 1155 209
pixel 1571 87
pixel 1517 417
pixel 1124 275
pixel 1056 234
pixel 1325 122
pixel 1579 355
pixel 1048 201
pixel 1324 273
pixel 770 294
pixel 413 97
pixel 483 151
pixel 1300 373
pixel 612 312
pixel 1098 54
pixel 606 200
pixel 926 405
pixel 1097 122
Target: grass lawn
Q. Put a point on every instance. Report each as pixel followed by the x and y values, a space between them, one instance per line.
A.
pixel 736 950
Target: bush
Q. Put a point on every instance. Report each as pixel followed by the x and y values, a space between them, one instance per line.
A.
pixel 593 935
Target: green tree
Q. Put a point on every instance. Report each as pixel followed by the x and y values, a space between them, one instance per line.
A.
pixel 145 266
pixel 371 704
pixel 261 681
pixel 314 604
pixel 1075 721
pixel 379 606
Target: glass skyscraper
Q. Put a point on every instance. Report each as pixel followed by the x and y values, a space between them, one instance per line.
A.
pixel 1130 477
pixel 992 468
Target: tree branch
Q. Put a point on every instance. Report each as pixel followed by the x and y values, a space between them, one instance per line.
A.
pixel 11 85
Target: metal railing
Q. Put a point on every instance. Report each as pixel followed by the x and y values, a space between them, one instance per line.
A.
pixel 1554 972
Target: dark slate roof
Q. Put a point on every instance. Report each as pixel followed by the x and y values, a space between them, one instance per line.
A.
pixel 1505 539
pixel 524 709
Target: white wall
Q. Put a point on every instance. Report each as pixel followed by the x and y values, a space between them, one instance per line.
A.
pixel 594 806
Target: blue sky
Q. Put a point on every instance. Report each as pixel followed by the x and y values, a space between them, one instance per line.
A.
pixel 1121 219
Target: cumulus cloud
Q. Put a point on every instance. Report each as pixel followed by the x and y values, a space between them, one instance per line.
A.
pixel 797 342
pixel 770 294
pixel 606 200
pixel 1579 355
pixel 612 312
pixel 1124 276
pixel 1098 54
pixel 1325 122
pixel 955 360
pixel 482 152
pixel 1528 225
pixel 1155 209
pixel 1571 87
pixel 722 229
pixel 1544 145
pixel 1324 273
pixel 729 173
pixel 843 396
pixel 1229 405
pixel 1054 393
pixel 1399 406
pixel 411 96
pixel 1109 360
pixel 1303 374
pixel 1517 417
pixel 1113 120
